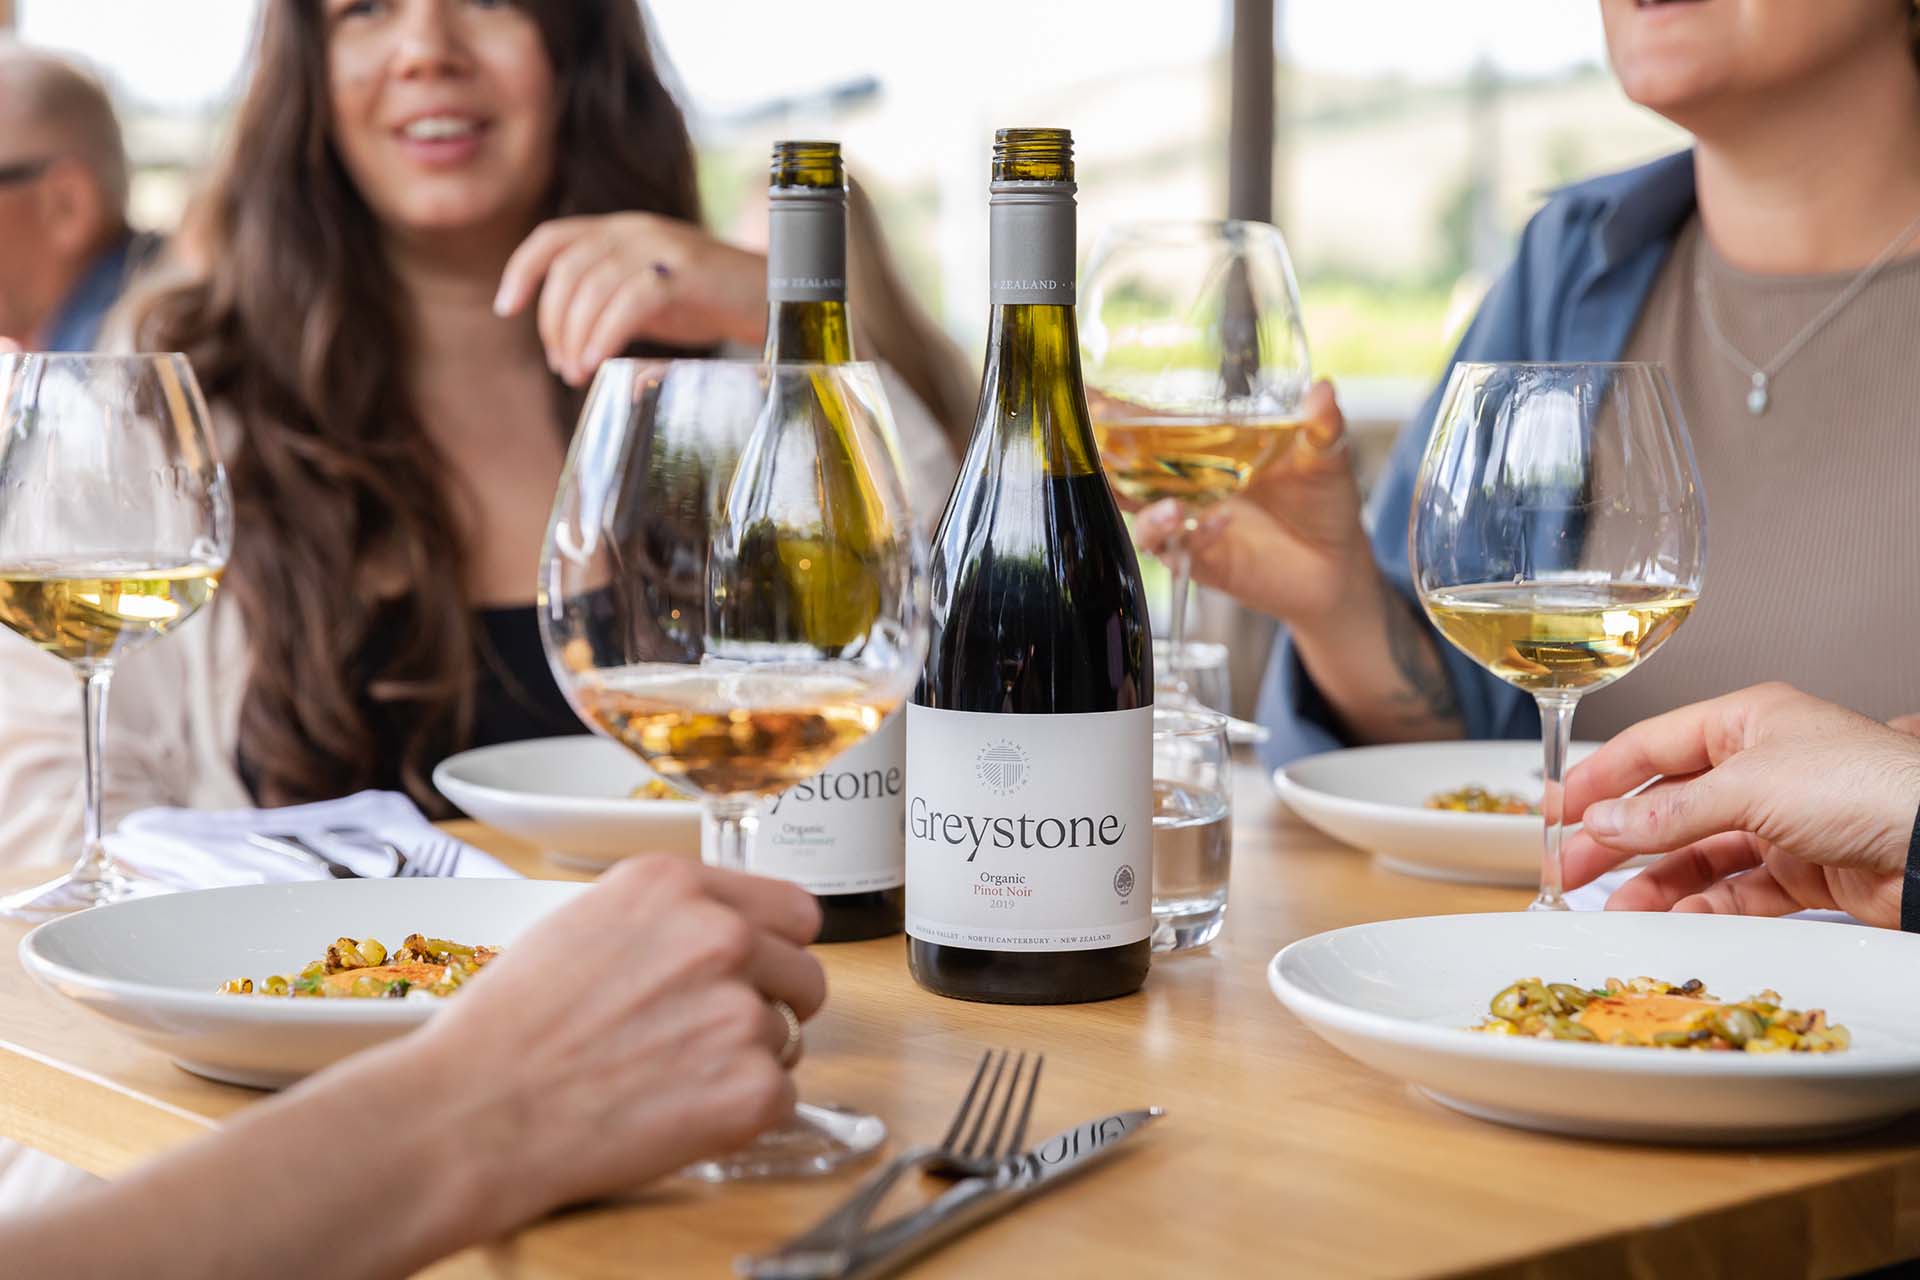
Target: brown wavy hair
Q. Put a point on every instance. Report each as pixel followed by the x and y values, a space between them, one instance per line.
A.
pixel 295 325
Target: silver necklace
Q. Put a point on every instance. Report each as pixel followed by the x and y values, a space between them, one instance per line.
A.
pixel 1762 375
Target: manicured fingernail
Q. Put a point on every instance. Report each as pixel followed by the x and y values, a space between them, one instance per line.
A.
pixel 1602 818
pixel 500 302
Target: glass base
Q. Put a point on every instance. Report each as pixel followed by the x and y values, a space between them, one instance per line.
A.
pixel 820 1140
pixel 71 893
pixel 1548 902
pixel 1188 923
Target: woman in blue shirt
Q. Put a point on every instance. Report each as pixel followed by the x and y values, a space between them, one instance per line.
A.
pixel 1806 121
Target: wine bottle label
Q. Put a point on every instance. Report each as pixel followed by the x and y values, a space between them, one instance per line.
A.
pixel 840 832
pixel 1030 253
pixel 807 245
pixel 1029 832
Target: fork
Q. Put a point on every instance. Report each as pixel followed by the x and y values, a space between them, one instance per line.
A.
pixel 438 857
pixel 826 1249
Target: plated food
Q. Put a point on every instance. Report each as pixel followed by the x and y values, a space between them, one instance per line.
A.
pixel 1418 807
pixel 1474 798
pixel 360 968
pixel 155 966
pixel 1400 995
pixel 1650 1013
pixel 586 802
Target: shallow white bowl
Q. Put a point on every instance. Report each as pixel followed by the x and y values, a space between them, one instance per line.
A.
pixel 1375 799
pixel 1396 995
pixel 155 965
pixel 570 796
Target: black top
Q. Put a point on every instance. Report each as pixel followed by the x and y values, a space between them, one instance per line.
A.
pixel 515 695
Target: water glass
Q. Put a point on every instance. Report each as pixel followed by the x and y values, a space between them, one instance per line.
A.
pixel 1194 674
pixel 1192 826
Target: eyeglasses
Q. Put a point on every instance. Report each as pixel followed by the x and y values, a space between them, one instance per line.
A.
pixel 24 170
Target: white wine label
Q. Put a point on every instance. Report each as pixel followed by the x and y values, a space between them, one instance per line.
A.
pixel 1029 832
pixel 840 832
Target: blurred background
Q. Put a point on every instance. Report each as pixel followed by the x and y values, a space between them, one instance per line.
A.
pixel 1399 144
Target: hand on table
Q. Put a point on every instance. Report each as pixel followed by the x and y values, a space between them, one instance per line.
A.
pixel 607 281
pixel 1772 801
pixel 630 1033
pixel 1292 544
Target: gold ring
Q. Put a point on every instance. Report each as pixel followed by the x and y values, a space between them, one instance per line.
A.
pixel 790 1051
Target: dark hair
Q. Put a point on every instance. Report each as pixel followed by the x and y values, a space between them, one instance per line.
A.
pixel 296 328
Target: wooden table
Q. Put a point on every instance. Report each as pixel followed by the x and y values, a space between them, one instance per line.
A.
pixel 1278 1156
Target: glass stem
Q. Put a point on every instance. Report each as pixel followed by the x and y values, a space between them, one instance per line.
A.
pixel 94 865
pixel 729 834
pixel 1556 732
pixel 1179 562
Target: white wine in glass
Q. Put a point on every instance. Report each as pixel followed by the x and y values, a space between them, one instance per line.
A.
pixel 733 588
pixel 115 527
pixel 1558 538
pixel 1195 362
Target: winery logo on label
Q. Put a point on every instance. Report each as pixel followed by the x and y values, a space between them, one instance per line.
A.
pixel 1001 767
pixel 1123 882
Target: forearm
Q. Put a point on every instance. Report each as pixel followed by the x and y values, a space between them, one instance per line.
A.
pixel 1378 666
pixel 360 1173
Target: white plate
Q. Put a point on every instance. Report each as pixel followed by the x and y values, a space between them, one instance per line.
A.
pixel 155 965
pixel 1396 994
pixel 1375 799
pixel 571 796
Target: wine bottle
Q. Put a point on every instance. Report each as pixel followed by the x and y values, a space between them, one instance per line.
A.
pixel 838 835
pixel 1030 737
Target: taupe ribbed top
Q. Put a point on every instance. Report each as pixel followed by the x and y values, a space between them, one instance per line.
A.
pixel 1813 508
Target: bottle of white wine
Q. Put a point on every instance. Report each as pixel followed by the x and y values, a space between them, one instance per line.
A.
pixel 837 835
pixel 1030 738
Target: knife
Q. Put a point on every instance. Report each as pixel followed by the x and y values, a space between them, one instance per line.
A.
pixel 966 1204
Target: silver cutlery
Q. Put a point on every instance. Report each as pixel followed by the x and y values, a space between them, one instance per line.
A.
pixel 438 857
pixel 292 846
pixel 992 1178
pixel 825 1248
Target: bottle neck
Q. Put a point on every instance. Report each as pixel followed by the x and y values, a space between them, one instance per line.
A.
pixel 817 332
pixel 807 275
pixel 1034 401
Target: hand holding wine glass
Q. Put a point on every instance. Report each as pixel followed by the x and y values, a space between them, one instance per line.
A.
pixel 115 526
pixel 1196 364
pixel 1558 536
pixel 732 588
pixel 1291 545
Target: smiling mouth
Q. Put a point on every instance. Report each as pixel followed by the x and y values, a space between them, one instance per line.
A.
pixel 441 129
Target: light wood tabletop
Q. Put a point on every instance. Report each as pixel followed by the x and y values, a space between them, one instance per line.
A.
pixel 1278 1156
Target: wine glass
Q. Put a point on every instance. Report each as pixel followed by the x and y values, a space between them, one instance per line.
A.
pixel 732 588
pixel 115 526
pixel 1559 534
pixel 1195 360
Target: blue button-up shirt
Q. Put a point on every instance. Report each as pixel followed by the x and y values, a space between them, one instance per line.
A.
pixel 1585 265
pixel 76 325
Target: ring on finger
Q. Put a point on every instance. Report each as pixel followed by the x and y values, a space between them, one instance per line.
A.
pixel 790 1051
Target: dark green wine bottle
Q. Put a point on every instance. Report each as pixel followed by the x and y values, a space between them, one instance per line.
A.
pixel 838 835
pixel 1030 738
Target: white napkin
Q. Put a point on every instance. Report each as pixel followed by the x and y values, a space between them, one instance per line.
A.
pixel 1593 897
pixel 207 848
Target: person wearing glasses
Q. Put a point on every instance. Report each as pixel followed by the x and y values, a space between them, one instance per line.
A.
pixel 66 249
pixel 1773 268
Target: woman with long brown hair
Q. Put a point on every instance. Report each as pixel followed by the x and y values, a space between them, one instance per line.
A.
pixel 393 401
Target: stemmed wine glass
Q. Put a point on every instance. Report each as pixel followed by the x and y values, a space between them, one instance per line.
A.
pixel 1195 361
pixel 1559 534
pixel 732 587
pixel 115 526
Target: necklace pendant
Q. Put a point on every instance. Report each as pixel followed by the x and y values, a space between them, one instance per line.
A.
pixel 1757 397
